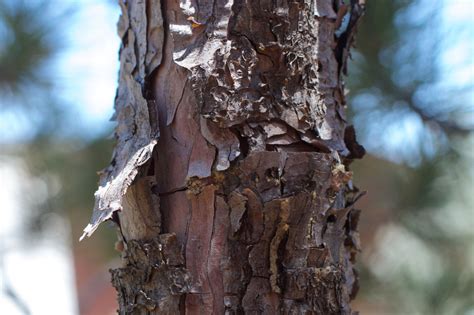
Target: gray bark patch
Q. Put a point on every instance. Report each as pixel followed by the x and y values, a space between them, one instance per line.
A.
pixel 153 277
pixel 141 29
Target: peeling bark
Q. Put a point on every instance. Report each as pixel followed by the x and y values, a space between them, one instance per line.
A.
pixel 230 180
pixel 141 29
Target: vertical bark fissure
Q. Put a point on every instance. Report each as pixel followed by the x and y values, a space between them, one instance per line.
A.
pixel 208 256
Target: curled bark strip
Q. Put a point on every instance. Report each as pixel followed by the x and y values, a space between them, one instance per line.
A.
pixel 141 29
pixel 108 198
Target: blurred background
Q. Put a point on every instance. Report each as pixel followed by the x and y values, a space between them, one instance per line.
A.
pixel 411 99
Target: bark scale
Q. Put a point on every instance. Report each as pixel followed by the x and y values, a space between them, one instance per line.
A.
pixel 230 178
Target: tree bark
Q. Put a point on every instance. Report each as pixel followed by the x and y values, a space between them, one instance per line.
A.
pixel 230 180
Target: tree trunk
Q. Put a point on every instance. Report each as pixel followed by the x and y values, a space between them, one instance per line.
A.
pixel 229 180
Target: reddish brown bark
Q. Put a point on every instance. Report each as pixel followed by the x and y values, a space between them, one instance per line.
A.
pixel 230 175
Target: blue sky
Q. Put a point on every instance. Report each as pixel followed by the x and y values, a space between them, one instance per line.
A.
pixel 84 72
pixel 89 66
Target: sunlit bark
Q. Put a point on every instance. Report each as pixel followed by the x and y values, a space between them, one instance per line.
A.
pixel 230 177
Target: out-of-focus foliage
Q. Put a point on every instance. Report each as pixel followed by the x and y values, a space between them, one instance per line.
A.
pixel 412 107
pixel 72 165
pixel 28 44
pixel 31 39
pixel 404 103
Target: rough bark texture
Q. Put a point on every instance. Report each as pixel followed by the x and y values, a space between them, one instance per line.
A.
pixel 229 178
